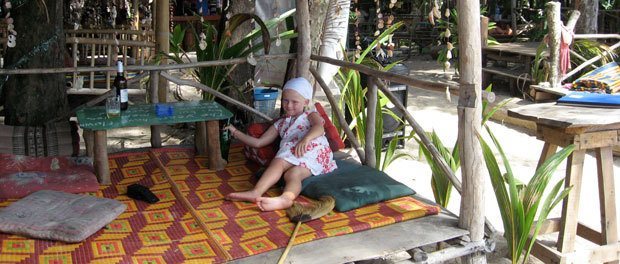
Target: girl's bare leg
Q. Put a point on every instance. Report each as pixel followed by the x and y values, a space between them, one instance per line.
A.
pixel 293 177
pixel 271 175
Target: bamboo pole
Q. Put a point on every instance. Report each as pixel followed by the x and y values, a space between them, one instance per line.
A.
pixel 590 61
pixel 394 77
pixel 154 94
pixel 471 216
pixel 216 93
pixel 304 48
pixel 597 36
pixel 145 67
pixel 371 122
pixel 162 41
pixel 343 123
pixel 555 26
pixel 114 42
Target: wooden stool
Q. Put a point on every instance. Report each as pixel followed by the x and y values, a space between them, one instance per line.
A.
pixel 588 129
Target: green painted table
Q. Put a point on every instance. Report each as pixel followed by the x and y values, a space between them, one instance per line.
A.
pixel 205 114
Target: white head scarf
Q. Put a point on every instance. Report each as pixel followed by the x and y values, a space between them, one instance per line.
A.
pixel 301 86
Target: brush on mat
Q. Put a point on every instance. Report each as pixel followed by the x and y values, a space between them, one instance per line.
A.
pixel 301 213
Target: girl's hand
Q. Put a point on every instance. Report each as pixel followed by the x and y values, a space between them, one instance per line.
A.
pixel 232 129
pixel 301 147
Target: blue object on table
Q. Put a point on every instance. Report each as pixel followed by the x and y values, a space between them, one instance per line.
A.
pixel 591 99
pixel 164 110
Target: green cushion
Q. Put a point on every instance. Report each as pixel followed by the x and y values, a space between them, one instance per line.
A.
pixel 354 185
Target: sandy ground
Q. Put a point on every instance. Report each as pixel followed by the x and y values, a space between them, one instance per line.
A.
pixel 434 112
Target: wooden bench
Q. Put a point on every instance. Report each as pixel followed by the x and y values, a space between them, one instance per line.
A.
pixel 514 77
pixel 95 124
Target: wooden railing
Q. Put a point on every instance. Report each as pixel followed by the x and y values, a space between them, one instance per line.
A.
pixel 96 47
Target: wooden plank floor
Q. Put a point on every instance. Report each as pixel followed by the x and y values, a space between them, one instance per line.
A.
pixel 369 244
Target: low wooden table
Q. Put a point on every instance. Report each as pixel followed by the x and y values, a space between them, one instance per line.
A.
pixel 521 53
pixel 93 119
pixel 587 128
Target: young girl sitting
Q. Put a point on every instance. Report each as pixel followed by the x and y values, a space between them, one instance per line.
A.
pixel 304 150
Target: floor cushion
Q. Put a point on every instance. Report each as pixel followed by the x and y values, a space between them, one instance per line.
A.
pixel 60 216
pixel 54 139
pixel 354 185
pixel 22 175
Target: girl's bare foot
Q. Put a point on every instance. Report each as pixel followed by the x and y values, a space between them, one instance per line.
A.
pixel 248 196
pixel 273 203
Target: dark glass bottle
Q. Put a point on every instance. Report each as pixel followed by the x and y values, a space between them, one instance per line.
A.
pixel 120 84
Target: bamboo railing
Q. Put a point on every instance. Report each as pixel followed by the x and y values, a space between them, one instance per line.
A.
pixel 90 46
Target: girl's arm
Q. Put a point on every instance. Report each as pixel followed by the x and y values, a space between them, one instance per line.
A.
pixel 269 136
pixel 315 131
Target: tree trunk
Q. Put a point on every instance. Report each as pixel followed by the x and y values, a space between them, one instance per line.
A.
pixel 587 24
pixel 244 71
pixel 36 99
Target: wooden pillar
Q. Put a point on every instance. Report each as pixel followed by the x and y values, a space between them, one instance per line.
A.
pixel 371 121
pixel 304 43
pixel 162 41
pixel 153 92
pixel 102 167
pixel 484 31
pixel 555 26
pixel 471 215
pixel 216 162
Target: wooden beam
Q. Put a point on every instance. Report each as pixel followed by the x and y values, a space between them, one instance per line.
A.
pixel 555 28
pixel 154 94
pixel 343 123
pixel 371 121
pixel 398 78
pixel 216 93
pixel 162 41
pixel 143 67
pixel 471 215
pixel 304 43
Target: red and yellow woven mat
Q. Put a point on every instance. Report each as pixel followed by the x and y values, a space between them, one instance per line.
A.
pixel 166 232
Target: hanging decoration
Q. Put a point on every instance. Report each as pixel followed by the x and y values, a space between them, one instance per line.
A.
pixel 10 27
pixel 358 38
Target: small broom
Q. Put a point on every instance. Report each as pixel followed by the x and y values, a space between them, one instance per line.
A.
pixel 301 213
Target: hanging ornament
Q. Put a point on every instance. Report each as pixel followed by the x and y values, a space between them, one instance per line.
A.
pixel 448 54
pixel 431 18
pixel 447 34
pixel 446 65
pixel 447 13
pixel 12 34
pixel 449 46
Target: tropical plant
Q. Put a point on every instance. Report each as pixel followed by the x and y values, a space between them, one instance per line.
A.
pixel 588 49
pixel 440 183
pixel 353 101
pixel 212 46
pixel 519 203
pixel 540 66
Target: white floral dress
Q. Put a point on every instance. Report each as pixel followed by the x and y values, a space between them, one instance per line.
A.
pixel 319 158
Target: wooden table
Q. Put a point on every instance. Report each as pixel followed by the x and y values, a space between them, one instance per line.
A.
pixel 519 53
pixel 205 114
pixel 595 129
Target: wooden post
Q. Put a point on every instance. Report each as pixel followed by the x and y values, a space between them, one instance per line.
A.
pixel 513 15
pixel 162 44
pixel 484 31
pixel 371 118
pixel 153 92
pixel 304 43
pixel 555 29
pixel 102 167
pixel 471 215
pixel 216 162
pixel 89 141
pixel 200 138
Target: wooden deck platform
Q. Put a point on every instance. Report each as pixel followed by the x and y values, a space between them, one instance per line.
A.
pixel 370 244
